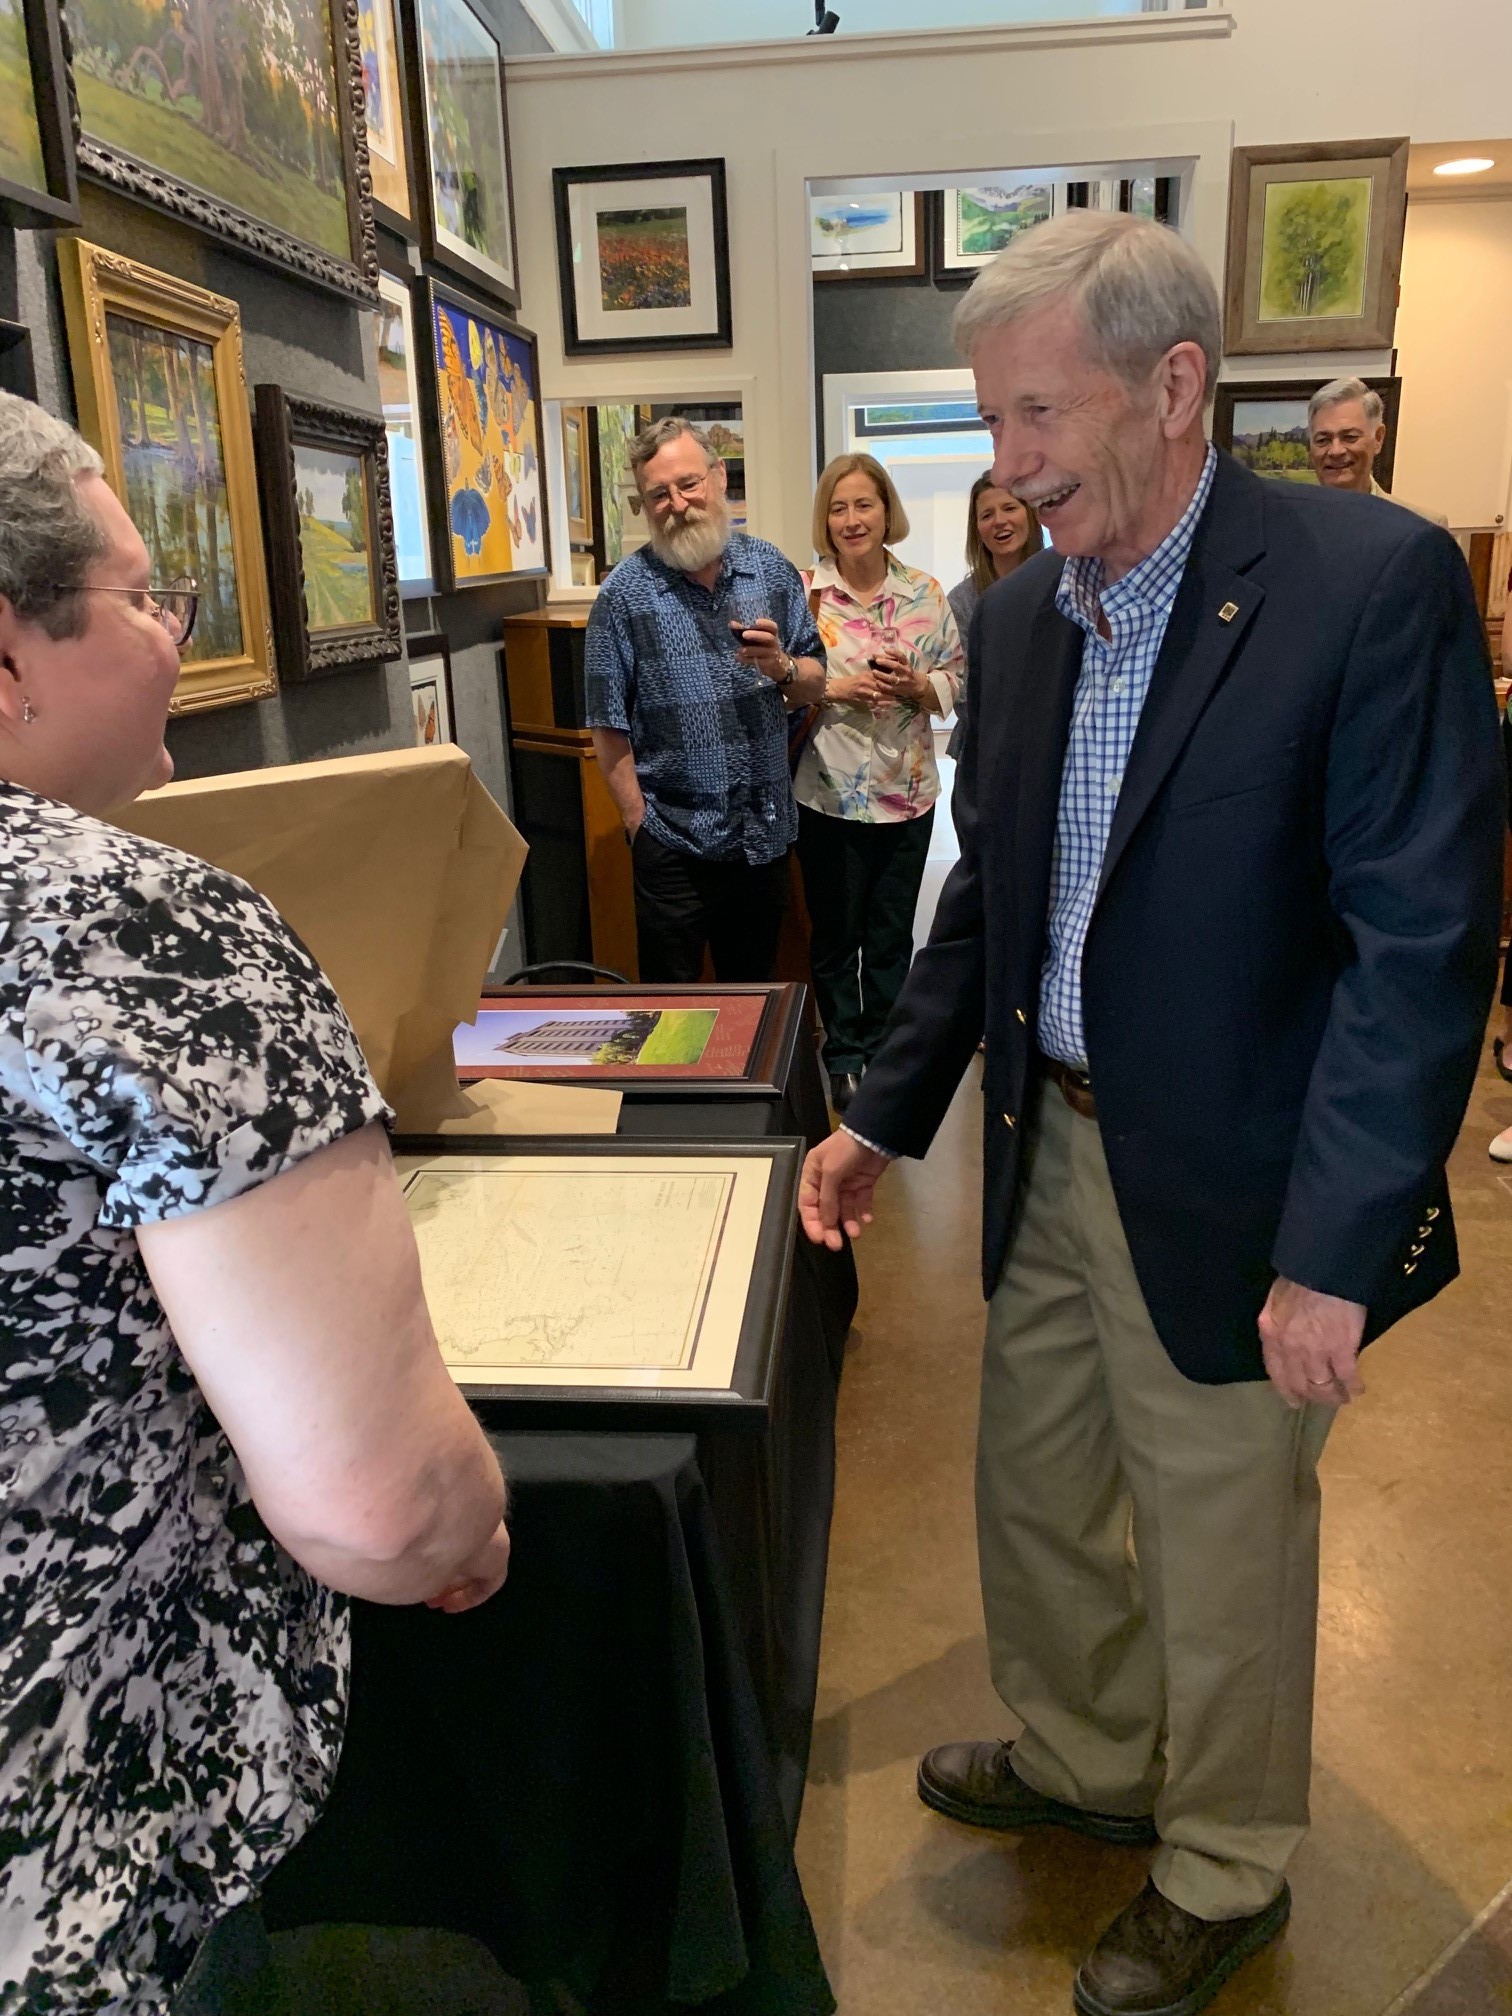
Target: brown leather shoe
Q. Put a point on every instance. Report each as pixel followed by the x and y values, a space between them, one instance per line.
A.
pixel 975 1782
pixel 1157 1960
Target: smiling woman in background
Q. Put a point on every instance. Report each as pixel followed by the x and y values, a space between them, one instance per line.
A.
pixel 1001 534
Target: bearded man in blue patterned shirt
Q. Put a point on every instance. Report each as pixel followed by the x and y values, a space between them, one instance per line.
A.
pixel 1230 809
pixel 699 647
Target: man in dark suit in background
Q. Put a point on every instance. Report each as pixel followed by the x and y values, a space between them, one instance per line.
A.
pixel 1230 812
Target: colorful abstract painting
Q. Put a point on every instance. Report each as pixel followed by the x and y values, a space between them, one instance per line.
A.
pixel 235 97
pixel 168 414
pixel 20 142
pixel 335 537
pixel 490 453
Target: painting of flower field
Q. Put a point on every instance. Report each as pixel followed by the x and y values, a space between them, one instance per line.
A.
pixel 644 260
pixel 168 413
pixel 20 142
pixel 234 97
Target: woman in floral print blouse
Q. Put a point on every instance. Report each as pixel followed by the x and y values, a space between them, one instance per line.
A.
pixel 866 784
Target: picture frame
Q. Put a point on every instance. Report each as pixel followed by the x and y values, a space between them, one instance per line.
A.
pixel 295 195
pixel 577 439
pixel 643 257
pixel 329 520
pixel 399 389
pixel 39 188
pixel 695 1238
pixel 483 430
pixel 1256 436
pixel 1315 246
pixel 744 1036
pixel 980 221
pixel 18 370
pixel 869 235
pixel 154 356
pixel 430 682
pixel 584 570
pixel 386 109
pixel 460 122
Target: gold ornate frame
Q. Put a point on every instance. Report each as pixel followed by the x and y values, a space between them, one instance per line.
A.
pixel 96 283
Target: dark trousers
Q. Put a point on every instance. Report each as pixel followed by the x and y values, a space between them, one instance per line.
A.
pixel 861 882
pixel 683 903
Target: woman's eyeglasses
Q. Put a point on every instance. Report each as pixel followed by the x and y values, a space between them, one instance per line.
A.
pixel 175 606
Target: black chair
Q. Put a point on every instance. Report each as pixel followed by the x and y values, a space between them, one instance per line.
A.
pixel 558 973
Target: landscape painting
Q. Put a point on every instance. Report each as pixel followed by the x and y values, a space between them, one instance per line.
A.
pixel 335 537
pixel 384 105
pixel 988 219
pixel 643 259
pixel 168 413
pixel 854 224
pixel 1270 437
pixel 490 449
pixel 21 158
pixel 469 161
pixel 237 98
pixel 1313 251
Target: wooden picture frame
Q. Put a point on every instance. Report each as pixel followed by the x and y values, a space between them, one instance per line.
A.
pixel 39 188
pixel 873 220
pixel 463 170
pixel 755 1058
pixel 194 339
pixel 1232 395
pixel 483 440
pixel 577 438
pixel 399 389
pixel 1315 247
pixel 386 107
pixel 161 176
pixel 666 284
pixel 430 683
pixel 323 621
pixel 747 1264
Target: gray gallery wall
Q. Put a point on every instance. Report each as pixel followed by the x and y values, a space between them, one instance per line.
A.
pixel 316 346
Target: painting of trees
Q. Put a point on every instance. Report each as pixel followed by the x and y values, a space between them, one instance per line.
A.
pixel 1313 261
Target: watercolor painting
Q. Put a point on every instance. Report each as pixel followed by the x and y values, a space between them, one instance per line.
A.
pixel 168 413
pixel 485 387
pixel 990 218
pixel 854 224
pixel 335 537
pixel 1313 251
pixel 643 259
pixel 234 97
pixel 1270 437
pixel 21 158
pixel 469 161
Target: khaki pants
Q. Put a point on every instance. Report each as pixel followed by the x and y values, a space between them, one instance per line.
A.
pixel 1182 1686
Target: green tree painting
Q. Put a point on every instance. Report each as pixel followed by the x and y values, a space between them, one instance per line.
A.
pixel 20 142
pixel 1314 248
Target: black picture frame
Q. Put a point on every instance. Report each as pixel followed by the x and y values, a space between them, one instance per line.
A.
pixel 18 371
pixel 1232 392
pixel 434 242
pixel 447 580
pixel 21 206
pixel 746 1402
pixel 256 238
pixel 281 425
pixel 767 1072
pixel 565 180
pixel 420 645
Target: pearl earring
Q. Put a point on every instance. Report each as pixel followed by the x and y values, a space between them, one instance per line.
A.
pixel 28 712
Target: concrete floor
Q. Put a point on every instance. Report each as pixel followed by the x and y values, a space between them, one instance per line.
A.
pixel 1412 1792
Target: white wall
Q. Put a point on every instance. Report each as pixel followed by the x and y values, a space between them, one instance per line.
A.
pixel 1454 339
pixel 660 24
pixel 958 102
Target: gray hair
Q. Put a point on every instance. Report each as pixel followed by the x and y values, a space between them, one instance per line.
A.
pixel 49 537
pixel 651 441
pixel 1342 389
pixel 1141 288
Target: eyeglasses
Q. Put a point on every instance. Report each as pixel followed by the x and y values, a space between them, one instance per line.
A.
pixel 174 606
pixel 687 487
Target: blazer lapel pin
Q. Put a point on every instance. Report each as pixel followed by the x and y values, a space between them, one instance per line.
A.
pixel 1228 612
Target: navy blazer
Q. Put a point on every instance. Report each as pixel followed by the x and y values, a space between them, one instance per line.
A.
pixel 1294 945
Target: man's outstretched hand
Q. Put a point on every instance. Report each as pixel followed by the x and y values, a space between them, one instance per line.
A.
pixel 838 1180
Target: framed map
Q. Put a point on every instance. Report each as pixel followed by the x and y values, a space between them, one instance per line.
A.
pixel 657 1041
pixel 634 1285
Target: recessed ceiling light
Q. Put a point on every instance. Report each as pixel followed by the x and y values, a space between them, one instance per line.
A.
pixel 1472 164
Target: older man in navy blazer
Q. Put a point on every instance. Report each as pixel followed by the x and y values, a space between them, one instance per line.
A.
pixel 1230 811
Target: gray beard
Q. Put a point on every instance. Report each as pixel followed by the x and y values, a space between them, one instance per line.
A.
pixel 696 543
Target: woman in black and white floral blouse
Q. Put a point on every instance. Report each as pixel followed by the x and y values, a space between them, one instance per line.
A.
pixel 197 1211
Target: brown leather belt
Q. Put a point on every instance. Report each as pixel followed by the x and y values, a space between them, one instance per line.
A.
pixel 1075 1087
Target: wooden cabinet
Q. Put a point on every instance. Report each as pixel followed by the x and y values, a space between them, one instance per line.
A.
pixel 578 899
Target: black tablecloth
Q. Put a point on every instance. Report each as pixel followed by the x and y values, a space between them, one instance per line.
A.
pixel 578 1774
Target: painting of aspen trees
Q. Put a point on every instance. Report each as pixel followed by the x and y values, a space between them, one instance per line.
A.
pixel 174 470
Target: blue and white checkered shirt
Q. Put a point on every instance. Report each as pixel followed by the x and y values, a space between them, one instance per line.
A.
pixel 1110 696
